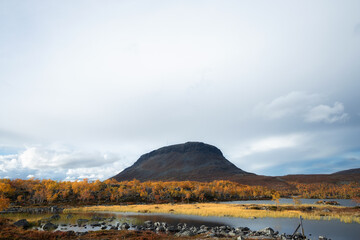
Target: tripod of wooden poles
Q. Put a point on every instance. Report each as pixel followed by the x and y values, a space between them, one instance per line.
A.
pixel 302 228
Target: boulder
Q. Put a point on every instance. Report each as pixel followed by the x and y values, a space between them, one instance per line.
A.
pixel 171 229
pixel 160 229
pixel 187 234
pixel 232 234
pixel 49 226
pixel 95 225
pixel 22 223
pixel 148 223
pixel 124 226
pixel 267 231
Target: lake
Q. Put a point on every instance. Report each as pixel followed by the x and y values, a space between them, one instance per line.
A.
pixel 333 229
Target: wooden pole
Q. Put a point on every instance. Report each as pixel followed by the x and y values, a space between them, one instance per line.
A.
pixel 302 226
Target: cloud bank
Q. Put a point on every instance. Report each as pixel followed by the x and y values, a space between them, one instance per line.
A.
pixel 86 88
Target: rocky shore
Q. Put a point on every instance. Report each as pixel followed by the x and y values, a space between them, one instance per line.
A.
pixel 50 209
pixel 96 223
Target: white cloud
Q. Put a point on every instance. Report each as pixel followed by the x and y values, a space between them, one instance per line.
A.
pixel 302 105
pixel 102 172
pixel 9 162
pixel 59 162
pixel 271 143
pixel 128 79
pixel 327 114
pixel 43 158
pixel 287 105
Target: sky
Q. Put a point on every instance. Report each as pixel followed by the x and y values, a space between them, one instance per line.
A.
pixel 87 87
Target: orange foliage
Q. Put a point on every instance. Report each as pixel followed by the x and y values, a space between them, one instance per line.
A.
pixel 34 191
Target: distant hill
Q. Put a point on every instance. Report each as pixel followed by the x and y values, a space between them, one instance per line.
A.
pixel 193 161
pixel 350 171
pixel 196 161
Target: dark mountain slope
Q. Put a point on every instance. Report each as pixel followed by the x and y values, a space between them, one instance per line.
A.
pixel 196 161
pixel 193 161
pixel 350 171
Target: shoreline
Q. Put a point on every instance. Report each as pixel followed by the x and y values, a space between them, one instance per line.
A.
pixel 97 226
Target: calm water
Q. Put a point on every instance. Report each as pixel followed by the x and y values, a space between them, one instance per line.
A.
pixel 343 202
pixel 333 229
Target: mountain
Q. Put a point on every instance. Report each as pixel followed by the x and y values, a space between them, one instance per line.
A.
pixel 195 161
pixel 350 171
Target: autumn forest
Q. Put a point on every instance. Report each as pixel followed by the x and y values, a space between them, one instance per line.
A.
pixel 42 192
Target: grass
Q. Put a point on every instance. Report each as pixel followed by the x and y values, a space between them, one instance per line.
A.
pixel 344 214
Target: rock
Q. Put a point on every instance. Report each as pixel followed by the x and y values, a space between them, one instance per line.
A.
pixel 232 234
pixel 49 226
pixel 201 231
pixel 69 216
pixel 22 223
pixel 171 229
pixel 148 223
pixel 222 227
pixel 124 226
pixel 187 234
pixel 222 233
pixel 160 229
pixel 268 231
pixel 95 225
pixel 322 238
pixel 103 227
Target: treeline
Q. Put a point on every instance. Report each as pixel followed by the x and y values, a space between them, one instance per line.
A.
pixel 42 192
pixel 325 190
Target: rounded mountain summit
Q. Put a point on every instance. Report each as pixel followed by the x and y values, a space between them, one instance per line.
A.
pixel 194 161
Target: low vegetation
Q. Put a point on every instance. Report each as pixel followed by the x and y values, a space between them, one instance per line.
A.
pixel 344 214
pixel 44 192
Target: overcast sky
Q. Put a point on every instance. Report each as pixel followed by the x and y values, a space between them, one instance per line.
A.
pixel 86 87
